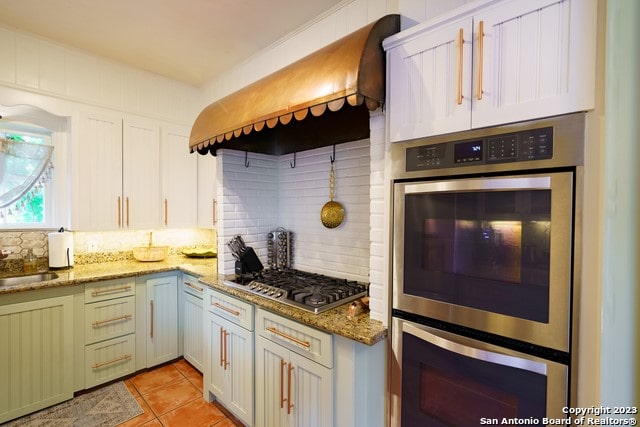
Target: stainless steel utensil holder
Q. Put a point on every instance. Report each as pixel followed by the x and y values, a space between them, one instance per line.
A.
pixel 280 248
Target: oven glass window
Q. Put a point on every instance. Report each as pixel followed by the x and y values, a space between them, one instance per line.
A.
pixel 443 388
pixel 488 250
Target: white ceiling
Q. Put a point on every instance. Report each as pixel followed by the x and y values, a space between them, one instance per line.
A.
pixel 187 40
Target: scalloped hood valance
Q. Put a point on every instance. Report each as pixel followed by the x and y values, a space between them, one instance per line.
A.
pixel 322 99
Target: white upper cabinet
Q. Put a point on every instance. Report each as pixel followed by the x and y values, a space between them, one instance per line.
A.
pixel 430 82
pixel 97 172
pixel 207 204
pixel 492 63
pixel 133 173
pixel 141 174
pixel 179 179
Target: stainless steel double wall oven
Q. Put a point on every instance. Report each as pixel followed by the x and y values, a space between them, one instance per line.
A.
pixel 485 273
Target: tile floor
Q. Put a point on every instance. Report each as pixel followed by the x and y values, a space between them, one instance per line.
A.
pixel 171 396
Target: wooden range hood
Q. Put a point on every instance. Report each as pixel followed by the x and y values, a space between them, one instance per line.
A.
pixel 322 99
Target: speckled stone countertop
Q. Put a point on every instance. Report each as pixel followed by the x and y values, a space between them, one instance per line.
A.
pixel 88 273
pixel 360 328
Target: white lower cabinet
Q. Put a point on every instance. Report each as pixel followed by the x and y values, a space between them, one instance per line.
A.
pixel 36 355
pixel 294 375
pixel 192 321
pixel 229 351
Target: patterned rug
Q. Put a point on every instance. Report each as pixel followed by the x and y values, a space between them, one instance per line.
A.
pixel 106 407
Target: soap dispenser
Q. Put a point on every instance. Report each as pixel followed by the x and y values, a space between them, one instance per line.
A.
pixel 30 264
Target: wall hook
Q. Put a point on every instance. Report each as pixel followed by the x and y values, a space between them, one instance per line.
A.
pixel 293 164
pixel 333 158
pixel 246 159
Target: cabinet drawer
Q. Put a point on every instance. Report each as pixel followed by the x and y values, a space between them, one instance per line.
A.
pixel 109 360
pixel 304 340
pixel 100 291
pixel 192 286
pixel 109 319
pixel 230 308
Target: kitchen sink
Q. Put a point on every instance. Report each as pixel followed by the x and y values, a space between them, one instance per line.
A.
pixel 31 278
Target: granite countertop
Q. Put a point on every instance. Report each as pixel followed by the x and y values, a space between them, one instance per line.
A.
pixel 88 273
pixel 360 328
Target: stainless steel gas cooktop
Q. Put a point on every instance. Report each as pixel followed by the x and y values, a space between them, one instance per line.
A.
pixel 309 291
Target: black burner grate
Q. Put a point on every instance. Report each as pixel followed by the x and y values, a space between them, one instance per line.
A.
pixel 311 291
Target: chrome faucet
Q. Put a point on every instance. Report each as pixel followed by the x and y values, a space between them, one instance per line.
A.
pixel 4 253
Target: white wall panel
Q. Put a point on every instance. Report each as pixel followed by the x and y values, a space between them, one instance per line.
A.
pixel 52 68
pixel 27 61
pixel 81 78
pixel 40 66
pixel 7 50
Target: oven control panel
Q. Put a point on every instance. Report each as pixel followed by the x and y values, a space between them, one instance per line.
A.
pixel 535 144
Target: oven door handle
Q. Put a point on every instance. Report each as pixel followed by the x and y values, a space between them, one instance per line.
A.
pixel 480 184
pixel 466 349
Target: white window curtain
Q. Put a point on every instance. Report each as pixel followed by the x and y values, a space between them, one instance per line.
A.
pixel 23 167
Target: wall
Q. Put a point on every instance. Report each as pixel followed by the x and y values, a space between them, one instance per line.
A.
pixel 270 194
pixel 66 81
pixel 620 366
pixel 38 66
pixel 247 202
pixel 90 247
pixel 345 18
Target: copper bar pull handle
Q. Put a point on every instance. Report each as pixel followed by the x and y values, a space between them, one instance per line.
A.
pixel 126 200
pixel 119 211
pixel 273 330
pixel 221 346
pixel 115 319
pixel 289 404
pixel 227 309
pixel 192 286
pixel 123 357
pixel 460 49
pixel 282 398
pixel 108 291
pixel 480 58
pixel 151 306
pixel 225 335
pixel 166 210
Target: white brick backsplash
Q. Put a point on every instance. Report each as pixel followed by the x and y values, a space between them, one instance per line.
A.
pixel 270 194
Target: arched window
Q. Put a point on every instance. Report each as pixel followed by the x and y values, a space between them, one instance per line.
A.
pixel 34 182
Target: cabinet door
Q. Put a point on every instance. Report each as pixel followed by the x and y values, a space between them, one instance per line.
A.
pixel 238 357
pixel 162 317
pixel 271 384
pixel 141 174
pixel 179 179
pixel 97 199
pixel 430 82
pixel 215 380
pixel 207 181
pixel 534 59
pixel 311 392
pixel 192 331
pixel 229 375
pixel 36 355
